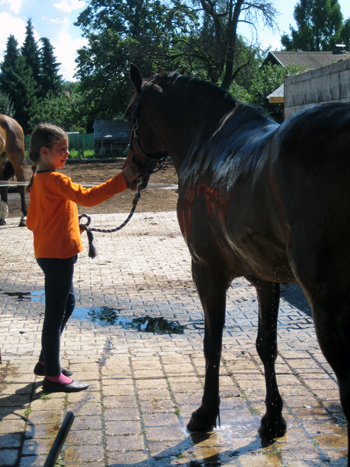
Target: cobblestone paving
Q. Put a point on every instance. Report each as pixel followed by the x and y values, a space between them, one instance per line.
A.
pixel 143 385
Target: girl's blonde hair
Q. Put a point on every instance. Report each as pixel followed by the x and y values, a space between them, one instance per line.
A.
pixel 44 135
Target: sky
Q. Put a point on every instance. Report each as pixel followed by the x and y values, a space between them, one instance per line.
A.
pixel 55 19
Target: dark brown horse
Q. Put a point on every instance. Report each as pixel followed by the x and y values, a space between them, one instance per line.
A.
pixel 11 148
pixel 256 199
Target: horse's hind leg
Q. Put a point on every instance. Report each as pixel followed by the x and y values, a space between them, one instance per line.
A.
pixel 212 291
pixel 272 423
pixel 331 312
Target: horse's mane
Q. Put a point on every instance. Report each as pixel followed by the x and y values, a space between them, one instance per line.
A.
pixel 206 87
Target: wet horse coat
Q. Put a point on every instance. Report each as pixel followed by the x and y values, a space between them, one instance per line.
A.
pixel 11 148
pixel 256 199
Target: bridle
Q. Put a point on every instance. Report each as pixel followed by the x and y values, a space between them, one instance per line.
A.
pixel 133 137
pixel 134 125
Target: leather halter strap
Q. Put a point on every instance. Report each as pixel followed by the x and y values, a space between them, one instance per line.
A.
pixel 134 125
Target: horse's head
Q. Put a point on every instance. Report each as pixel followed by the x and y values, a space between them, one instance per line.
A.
pixel 144 146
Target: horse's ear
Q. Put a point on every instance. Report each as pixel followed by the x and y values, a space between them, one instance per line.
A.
pixel 183 70
pixel 136 77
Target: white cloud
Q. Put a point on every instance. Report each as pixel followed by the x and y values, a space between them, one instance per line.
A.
pixel 10 25
pixel 15 5
pixel 69 5
pixel 65 50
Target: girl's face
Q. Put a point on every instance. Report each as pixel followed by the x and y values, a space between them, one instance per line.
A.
pixel 55 157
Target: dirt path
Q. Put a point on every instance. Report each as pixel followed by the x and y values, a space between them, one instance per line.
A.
pixel 152 200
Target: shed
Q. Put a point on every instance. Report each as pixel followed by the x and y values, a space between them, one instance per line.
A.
pixel 307 60
pixel 326 84
pixel 110 135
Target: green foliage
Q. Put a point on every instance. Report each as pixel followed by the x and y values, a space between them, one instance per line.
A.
pixel 27 76
pixel 345 34
pixel 319 25
pixel 30 52
pixel 6 105
pixel 217 44
pixel 16 80
pixel 50 80
pixel 66 112
pixel 121 32
pixel 267 80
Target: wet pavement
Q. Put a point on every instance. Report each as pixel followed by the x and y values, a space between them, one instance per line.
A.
pixel 136 337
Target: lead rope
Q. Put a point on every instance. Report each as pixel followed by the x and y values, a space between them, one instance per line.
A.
pixel 85 227
pixel 89 230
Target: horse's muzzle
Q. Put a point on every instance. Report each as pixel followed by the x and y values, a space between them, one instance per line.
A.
pixel 134 185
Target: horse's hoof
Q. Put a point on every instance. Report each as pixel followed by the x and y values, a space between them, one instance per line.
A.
pixel 2 222
pixel 22 223
pixel 271 429
pixel 201 422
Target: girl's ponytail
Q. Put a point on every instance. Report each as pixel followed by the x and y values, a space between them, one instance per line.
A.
pixel 34 169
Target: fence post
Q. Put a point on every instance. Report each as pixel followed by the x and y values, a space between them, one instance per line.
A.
pixel 82 143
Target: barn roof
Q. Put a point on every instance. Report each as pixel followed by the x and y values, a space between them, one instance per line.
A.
pixel 112 130
pixel 309 60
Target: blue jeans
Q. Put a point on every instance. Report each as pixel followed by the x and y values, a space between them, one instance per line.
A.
pixel 59 305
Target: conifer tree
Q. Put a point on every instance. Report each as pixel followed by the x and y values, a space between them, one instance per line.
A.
pixel 51 81
pixel 30 52
pixel 16 80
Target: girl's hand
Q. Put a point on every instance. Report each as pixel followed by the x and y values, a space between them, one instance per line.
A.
pixel 131 172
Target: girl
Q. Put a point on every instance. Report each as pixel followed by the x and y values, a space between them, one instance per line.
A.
pixel 53 219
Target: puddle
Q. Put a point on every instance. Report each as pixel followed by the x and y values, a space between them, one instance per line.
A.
pixel 106 316
pixel 38 296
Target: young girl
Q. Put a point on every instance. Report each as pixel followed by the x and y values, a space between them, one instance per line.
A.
pixel 53 219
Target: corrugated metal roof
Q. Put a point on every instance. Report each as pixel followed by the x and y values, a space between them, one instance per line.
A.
pixel 277 96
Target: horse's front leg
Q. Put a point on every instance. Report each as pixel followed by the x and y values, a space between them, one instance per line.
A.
pixel 212 289
pixel 4 210
pixel 273 424
pixel 23 220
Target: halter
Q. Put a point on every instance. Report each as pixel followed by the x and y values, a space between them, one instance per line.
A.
pixel 134 126
pixel 133 136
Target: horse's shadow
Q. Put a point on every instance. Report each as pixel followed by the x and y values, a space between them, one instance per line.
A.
pixel 168 456
pixel 293 294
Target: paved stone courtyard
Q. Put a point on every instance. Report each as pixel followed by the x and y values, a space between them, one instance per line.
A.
pixel 145 385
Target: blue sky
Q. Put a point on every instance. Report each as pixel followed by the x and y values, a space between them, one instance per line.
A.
pixel 55 20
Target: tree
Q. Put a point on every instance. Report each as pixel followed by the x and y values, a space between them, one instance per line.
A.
pixel 51 81
pixel 30 52
pixel 119 32
pixel 16 80
pixel 267 80
pixel 6 105
pixel 66 112
pixel 218 43
pixel 345 34
pixel 319 25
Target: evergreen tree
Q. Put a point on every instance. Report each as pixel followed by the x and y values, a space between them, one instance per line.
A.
pixel 51 81
pixel 30 52
pixel 16 80
pixel 319 24
pixel 6 105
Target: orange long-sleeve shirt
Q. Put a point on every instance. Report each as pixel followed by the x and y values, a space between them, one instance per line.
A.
pixel 53 213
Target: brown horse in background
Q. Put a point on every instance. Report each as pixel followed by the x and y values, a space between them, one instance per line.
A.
pixel 11 148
